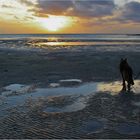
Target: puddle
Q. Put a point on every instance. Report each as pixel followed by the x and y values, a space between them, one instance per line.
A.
pixel 92 126
pixel 17 94
pixel 66 83
pixel 17 89
pixel 83 89
pixel 128 128
pixel 53 85
pixel 111 87
pixel 70 82
pixel 14 87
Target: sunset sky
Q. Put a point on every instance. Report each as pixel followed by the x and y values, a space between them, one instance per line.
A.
pixel 69 16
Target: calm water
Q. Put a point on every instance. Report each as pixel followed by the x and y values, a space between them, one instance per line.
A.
pixel 71 42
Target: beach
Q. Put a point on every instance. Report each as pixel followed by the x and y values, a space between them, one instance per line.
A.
pixel 65 89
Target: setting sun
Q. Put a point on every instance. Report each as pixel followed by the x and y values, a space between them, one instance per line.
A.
pixel 55 23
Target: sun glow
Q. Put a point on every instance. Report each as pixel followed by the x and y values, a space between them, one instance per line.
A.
pixel 55 23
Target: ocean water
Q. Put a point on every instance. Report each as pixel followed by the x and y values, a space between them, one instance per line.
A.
pixel 71 42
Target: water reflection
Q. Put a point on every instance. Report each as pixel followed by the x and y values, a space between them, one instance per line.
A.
pixel 17 94
pixel 115 87
pixel 52 39
pixel 55 43
pixel 78 43
pixel 112 87
pixel 70 87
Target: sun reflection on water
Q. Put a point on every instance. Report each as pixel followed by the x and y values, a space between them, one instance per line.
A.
pixel 115 87
pixel 59 43
pixel 52 39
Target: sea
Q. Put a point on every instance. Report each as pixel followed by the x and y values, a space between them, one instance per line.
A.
pixel 71 42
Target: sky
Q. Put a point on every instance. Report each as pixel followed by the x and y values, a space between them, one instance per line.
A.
pixel 69 16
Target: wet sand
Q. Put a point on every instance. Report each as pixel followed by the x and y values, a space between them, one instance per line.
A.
pixel 28 111
pixel 27 67
pixel 67 95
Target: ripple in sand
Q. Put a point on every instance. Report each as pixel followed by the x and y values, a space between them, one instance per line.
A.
pixel 77 105
pixel 128 128
pixel 136 104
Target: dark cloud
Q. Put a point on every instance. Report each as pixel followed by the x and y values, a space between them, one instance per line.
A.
pixel 93 8
pixel 131 12
pixel 89 9
pixel 77 8
pixel 53 7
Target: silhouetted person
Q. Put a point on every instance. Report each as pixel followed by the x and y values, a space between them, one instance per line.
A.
pixel 127 74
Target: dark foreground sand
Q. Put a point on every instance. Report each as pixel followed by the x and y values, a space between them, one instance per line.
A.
pixel 105 114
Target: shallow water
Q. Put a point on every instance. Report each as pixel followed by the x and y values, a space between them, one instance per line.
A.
pixel 17 94
pixel 71 42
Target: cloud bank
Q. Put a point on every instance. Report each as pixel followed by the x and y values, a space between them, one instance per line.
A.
pixel 89 8
pixel 131 12
pixel 128 12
